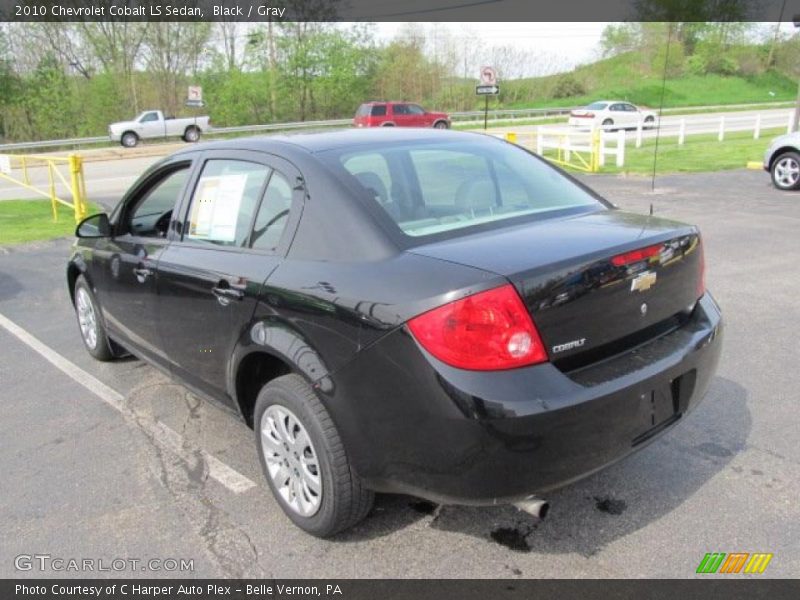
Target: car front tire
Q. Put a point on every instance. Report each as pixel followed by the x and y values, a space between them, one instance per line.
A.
pixel 191 135
pixel 93 332
pixel 129 139
pixel 785 171
pixel 304 460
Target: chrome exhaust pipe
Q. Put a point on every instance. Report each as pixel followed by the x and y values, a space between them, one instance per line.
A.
pixel 534 506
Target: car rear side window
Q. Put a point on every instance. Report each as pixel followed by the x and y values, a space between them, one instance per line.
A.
pixel 363 110
pixel 273 214
pixel 437 187
pixel 224 200
pixel 378 110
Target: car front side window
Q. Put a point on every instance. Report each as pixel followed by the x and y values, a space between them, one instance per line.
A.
pixel 149 214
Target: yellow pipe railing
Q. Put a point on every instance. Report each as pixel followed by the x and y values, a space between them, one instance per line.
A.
pixel 76 183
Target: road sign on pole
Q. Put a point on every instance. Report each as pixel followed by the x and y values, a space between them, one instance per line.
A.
pixel 488 76
pixel 487 90
pixel 194 97
pixel 487 87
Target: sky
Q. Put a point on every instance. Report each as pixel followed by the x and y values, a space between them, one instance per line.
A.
pixel 566 44
pixel 572 43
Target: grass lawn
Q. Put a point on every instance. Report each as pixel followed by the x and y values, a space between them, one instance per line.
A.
pixel 31 220
pixel 699 153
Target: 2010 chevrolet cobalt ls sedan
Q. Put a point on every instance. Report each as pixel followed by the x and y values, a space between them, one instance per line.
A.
pixel 426 312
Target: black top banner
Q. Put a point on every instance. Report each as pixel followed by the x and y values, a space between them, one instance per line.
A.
pixel 395 589
pixel 404 10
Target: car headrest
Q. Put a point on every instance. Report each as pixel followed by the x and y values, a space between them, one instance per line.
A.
pixel 476 194
pixel 373 184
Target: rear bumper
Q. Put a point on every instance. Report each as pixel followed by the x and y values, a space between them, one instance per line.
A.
pixel 414 425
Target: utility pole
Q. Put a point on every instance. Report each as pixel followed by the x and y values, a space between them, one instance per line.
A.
pixel 775 37
pixel 796 120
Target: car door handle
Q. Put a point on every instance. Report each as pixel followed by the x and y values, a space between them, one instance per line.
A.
pixel 142 273
pixel 226 294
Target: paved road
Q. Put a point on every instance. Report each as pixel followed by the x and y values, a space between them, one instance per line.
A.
pixel 106 181
pixel 83 478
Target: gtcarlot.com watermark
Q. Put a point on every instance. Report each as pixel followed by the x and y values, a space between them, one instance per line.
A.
pixel 58 564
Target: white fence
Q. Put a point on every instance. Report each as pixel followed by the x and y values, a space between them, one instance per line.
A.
pixel 599 144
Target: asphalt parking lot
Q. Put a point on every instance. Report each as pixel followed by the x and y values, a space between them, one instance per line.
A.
pixel 133 466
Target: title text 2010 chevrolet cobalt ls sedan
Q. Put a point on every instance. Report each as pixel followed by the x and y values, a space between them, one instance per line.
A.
pixel 426 312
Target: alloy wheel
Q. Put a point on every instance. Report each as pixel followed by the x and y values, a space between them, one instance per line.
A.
pixel 291 460
pixel 787 172
pixel 86 317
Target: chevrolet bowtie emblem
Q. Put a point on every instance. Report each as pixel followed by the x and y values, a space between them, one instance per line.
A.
pixel 643 281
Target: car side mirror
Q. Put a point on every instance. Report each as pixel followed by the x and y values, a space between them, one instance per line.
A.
pixel 95 226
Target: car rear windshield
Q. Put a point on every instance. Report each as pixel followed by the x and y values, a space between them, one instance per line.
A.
pixel 431 188
pixel 597 105
pixel 363 110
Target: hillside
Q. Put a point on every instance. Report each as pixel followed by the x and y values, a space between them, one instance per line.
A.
pixel 628 77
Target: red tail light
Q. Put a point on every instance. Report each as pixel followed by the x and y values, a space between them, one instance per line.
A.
pixel 488 331
pixel 636 255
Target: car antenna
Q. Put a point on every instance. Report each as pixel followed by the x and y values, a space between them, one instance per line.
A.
pixel 660 111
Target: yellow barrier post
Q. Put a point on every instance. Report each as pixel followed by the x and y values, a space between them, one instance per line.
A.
pixel 53 198
pixel 511 137
pixel 76 175
pixel 595 160
pixel 25 172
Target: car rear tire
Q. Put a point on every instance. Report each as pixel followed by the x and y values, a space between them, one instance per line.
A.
pixel 93 332
pixel 607 125
pixel 129 139
pixel 785 171
pixel 191 135
pixel 304 460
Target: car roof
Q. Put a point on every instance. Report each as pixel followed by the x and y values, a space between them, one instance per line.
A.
pixel 342 138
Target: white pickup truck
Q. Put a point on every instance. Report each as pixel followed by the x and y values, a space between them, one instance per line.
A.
pixel 152 124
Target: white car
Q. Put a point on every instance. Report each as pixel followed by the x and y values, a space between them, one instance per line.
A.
pixel 612 114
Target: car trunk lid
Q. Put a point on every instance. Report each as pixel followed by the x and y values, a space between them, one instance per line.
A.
pixel 594 283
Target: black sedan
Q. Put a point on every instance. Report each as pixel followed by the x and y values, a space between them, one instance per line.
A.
pixel 434 313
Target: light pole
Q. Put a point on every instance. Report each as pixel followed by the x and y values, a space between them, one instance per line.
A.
pixel 796 120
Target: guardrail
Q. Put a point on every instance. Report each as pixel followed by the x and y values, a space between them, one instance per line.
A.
pixel 461 117
pixel 76 184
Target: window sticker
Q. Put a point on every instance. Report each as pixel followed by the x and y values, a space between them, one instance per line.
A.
pixel 216 208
